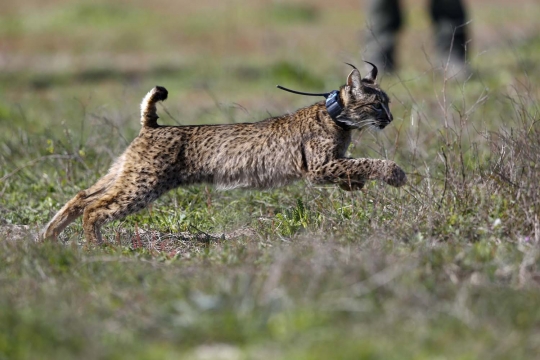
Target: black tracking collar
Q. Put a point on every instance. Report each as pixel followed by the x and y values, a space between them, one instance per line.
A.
pixel 333 103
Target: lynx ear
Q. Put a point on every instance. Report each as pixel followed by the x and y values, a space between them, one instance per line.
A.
pixel 372 76
pixel 354 79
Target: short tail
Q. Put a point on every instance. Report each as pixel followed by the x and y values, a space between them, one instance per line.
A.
pixel 148 106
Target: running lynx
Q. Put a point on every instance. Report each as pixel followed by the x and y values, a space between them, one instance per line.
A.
pixel 307 144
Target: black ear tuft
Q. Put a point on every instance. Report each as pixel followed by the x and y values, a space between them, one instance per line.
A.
pixel 372 76
pixel 351 65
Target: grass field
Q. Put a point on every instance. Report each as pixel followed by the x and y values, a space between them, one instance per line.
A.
pixel 447 267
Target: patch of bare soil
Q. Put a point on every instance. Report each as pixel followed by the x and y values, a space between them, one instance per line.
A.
pixel 149 239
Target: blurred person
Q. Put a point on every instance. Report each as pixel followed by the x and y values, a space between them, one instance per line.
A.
pixel 451 33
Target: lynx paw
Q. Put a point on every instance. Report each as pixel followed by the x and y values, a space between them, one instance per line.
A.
pixel 394 176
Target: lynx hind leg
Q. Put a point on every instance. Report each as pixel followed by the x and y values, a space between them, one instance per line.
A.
pixel 111 206
pixel 118 202
pixel 75 207
pixel 67 214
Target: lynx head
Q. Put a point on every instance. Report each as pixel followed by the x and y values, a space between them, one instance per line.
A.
pixel 365 105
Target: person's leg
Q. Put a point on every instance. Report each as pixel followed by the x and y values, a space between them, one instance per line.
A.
pixel 451 33
pixel 383 23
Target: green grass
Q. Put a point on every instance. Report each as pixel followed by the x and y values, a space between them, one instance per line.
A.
pixel 446 267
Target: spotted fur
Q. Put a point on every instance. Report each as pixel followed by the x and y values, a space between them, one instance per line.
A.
pixel 307 144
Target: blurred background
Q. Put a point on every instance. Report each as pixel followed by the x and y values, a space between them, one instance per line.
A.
pixel 231 51
pixel 104 53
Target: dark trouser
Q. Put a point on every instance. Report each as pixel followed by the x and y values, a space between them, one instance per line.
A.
pixel 385 20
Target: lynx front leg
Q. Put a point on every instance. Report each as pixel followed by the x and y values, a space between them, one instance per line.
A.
pixel 350 174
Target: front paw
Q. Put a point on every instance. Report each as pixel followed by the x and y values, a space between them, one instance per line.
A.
pixel 393 175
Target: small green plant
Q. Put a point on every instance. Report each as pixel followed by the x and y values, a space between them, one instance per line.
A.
pixel 293 220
